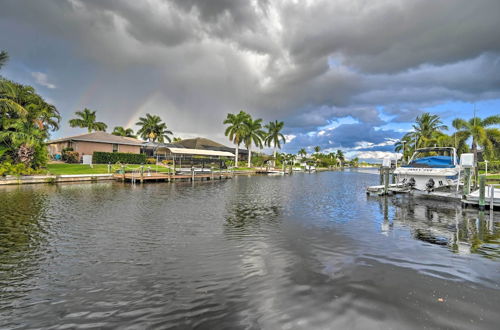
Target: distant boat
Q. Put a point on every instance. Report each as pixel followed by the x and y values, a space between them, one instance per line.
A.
pixel 430 169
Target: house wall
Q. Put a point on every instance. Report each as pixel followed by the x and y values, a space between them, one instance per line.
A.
pixel 88 148
pixel 56 148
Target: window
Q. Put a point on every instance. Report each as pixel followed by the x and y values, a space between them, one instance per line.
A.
pixel 115 147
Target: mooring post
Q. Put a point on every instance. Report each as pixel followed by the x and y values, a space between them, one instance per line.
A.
pixel 381 173
pixel 386 181
pixel 492 197
pixel 482 190
pixel 466 181
pixel 123 172
pixel 192 173
pixel 109 167
pixel 142 173
pixel 393 177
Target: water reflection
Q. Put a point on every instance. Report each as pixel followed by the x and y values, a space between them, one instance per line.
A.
pixel 301 251
pixel 463 231
pixel 23 235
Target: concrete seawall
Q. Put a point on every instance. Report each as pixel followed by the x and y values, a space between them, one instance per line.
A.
pixel 32 179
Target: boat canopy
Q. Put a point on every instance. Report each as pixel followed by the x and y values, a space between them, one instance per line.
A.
pixel 199 152
pixel 433 162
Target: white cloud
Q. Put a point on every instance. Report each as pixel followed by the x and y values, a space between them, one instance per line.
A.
pixel 42 79
pixel 378 155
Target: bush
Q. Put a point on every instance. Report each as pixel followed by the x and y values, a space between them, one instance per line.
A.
pixel 7 168
pixel 493 166
pixel 150 160
pixel 72 157
pixel 114 157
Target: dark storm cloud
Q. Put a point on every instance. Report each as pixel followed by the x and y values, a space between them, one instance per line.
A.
pixel 309 63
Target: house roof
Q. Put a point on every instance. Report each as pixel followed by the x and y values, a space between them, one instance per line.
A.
pixel 100 137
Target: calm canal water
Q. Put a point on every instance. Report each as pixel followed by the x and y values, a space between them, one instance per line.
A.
pixel 308 251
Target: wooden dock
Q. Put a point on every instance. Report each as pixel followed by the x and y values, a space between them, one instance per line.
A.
pixel 164 177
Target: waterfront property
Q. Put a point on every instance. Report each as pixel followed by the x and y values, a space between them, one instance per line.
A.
pixel 87 144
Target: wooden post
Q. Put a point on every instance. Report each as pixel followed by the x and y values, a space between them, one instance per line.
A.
pixel 123 172
pixel 381 174
pixel 386 181
pixel 492 197
pixel 192 173
pixel 466 182
pixel 482 189
pixel 393 177
pixel 142 173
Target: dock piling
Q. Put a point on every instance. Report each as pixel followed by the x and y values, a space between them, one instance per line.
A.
pixel 492 196
pixel 482 188
pixel 386 181
pixel 466 182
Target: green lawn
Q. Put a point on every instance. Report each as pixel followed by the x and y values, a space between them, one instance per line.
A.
pixel 61 169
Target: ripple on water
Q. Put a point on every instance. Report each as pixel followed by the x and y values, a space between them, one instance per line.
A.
pixel 301 251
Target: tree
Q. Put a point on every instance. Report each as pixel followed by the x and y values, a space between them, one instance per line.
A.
pixel 121 131
pixel 87 120
pixel 4 57
pixel 482 136
pixel 302 152
pixel 340 157
pixel 427 129
pixel 274 136
pixel 153 129
pixel 236 130
pixel 176 139
pixel 253 135
pixel 26 120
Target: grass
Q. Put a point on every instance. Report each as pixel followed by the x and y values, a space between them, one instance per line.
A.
pixel 68 169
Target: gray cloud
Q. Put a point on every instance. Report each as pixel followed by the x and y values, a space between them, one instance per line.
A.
pixel 310 64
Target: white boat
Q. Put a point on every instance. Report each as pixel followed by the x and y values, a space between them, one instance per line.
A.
pixel 431 169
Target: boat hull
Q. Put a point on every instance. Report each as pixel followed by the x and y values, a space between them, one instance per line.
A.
pixel 428 179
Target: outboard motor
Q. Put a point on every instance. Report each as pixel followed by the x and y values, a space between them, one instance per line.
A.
pixel 411 182
pixel 430 184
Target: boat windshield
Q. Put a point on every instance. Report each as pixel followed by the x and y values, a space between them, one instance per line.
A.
pixel 433 158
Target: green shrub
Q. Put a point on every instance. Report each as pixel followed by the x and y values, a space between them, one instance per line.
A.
pixel 113 157
pixel 150 160
pixel 72 157
pixel 493 166
pixel 7 168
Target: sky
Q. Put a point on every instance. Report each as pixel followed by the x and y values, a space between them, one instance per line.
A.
pixel 342 74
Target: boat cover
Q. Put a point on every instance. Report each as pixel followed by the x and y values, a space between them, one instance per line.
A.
pixel 433 162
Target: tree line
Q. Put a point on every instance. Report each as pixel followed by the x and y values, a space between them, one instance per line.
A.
pixel 242 128
pixel 429 131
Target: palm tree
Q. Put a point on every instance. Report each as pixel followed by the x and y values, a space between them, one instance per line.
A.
pixel 87 120
pixel 483 136
pixel 427 128
pixel 4 57
pixel 153 129
pixel 253 135
pixel 121 131
pixel 302 152
pixel 25 122
pixel 236 130
pixel 340 157
pixel 274 136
